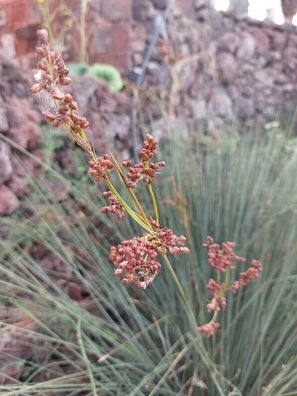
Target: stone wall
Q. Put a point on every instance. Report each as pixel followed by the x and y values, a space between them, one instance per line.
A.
pixel 217 68
pixel 20 122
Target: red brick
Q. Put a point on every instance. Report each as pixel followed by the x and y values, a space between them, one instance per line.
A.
pixel 19 13
pixel 26 33
pixel 116 10
pixel 14 13
pixel 120 37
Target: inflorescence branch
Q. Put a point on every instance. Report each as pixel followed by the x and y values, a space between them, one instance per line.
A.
pixel 136 260
pixel 223 259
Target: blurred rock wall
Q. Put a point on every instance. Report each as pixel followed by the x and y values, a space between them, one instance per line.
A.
pixel 19 122
pixel 217 68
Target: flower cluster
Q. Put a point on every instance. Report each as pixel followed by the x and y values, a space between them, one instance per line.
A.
pixel 149 148
pixel 98 168
pixel 66 114
pixel 218 301
pixel 114 206
pixel 136 260
pixel 52 71
pixel 222 259
pixel 209 329
pixel 166 239
pixel 145 170
pixel 51 75
pixel 251 274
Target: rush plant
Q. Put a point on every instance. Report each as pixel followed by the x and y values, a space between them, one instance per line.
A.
pixel 136 260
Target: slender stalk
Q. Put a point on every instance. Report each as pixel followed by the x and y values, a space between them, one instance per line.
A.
pixel 82 31
pixel 226 280
pixel 154 203
pixel 130 191
pixel 180 289
pixel 85 358
pixel 130 211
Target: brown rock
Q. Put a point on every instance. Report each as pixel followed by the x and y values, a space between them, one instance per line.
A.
pixel 160 4
pixel 228 42
pixel 8 201
pixel 227 66
pixel 142 10
pixel 83 90
pixel 123 103
pixel 118 127
pixel 74 291
pixel 200 110
pixel 7 45
pixel 27 135
pixel 245 108
pixel 247 46
pixel 19 186
pixel 16 344
pixel 264 77
pixel 137 58
pixel 220 105
pixel 23 123
pixel 279 41
pixel 262 39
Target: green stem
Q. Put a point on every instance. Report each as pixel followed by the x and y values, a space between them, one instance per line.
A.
pixel 131 192
pixel 226 280
pixel 130 211
pixel 154 203
pixel 180 289
pixel 85 358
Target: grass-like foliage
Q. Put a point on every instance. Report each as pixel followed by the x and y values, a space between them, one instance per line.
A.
pixel 119 340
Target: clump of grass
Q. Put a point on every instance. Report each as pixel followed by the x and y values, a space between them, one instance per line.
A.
pixel 114 340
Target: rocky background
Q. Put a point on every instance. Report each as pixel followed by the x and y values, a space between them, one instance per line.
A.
pixel 206 70
pixel 19 121
pixel 218 68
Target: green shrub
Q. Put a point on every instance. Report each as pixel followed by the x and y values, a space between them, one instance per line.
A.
pixel 105 72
